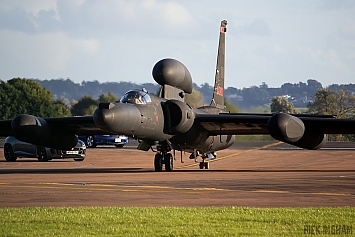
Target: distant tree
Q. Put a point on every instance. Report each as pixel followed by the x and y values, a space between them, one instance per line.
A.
pixel 263 85
pixel 110 97
pixel 255 96
pixel 328 102
pixel 84 106
pixel 63 88
pixel 231 107
pixel 341 104
pixel 61 108
pixel 313 86
pixel 24 96
pixel 282 105
pixel 90 110
pixel 195 99
pixel 287 88
pixel 87 104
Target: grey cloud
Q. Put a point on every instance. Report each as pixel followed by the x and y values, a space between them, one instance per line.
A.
pixel 46 21
pixel 20 20
pixel 17 20
pixel 347 30
pixel 258 27
pixel 336 4
pixel 92 19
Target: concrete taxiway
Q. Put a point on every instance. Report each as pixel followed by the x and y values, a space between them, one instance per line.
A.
pixel 249 176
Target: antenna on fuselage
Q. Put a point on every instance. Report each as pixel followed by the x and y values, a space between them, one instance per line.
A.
pixel 174 78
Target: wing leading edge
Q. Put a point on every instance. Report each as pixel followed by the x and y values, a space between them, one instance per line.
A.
pixel 244 124
pixel 83 125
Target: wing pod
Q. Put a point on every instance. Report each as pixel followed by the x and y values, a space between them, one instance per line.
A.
pixel 178 117
pixel 285 127
pixel 311 140
pixel 36 130
pixel 290 129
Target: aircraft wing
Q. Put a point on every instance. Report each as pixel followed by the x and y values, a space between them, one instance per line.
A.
pixel 83 125
pixel 242 124
pixel 5 128
pixel 231 124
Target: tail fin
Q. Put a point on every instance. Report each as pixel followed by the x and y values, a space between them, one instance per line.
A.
pixel 218 92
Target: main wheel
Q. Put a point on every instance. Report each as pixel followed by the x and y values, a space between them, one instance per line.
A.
pixel 90 141
pixel 42 154
pixel 9 153
pixel 168 161
pixel 158 162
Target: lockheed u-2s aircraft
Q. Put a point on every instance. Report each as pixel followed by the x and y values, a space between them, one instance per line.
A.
pixel 167 123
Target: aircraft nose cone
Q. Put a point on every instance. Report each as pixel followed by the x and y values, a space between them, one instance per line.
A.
pixel 118 118
pixel 103 116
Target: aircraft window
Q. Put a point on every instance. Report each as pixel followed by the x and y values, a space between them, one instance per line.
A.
pixel 136 97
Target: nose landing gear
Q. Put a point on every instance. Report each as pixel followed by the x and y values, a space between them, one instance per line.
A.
pixel 163 157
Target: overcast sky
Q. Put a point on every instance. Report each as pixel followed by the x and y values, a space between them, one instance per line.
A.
pixel 121 40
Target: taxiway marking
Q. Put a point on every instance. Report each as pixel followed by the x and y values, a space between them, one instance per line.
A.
pixel 87 187
pixel 231 155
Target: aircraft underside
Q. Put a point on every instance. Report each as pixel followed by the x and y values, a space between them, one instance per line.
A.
pixel 205 149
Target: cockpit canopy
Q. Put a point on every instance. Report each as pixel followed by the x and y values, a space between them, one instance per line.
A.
pixel 136 97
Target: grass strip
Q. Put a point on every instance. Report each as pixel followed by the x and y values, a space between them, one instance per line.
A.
pixel 176 221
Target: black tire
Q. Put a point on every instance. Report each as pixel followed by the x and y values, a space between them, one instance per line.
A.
pixel 90 141
pixel 158 162
pixel 9 153
pixel 119 145
pixel 169 163
pixel 42 154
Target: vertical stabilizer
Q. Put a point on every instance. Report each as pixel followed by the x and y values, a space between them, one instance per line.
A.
pixel 218 92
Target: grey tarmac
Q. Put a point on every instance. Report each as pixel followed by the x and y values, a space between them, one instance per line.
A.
pixel 256 176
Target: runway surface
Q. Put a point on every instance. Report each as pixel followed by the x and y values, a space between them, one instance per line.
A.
pixel 267 176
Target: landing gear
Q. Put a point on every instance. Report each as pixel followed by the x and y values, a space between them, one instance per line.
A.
pixel 166 159
pixel 158 162
pixel 163 157
pixel 205 165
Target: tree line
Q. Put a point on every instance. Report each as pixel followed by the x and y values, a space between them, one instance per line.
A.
pixel 300 93
pixel 20 95
pixel 24 96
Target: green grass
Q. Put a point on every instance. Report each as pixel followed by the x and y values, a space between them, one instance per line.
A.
pixel 171 221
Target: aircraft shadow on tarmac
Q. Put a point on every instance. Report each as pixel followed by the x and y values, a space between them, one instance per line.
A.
pixel 141 170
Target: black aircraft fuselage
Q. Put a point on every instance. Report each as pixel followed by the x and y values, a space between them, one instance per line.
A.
pixel 166 121
pixel 153 119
